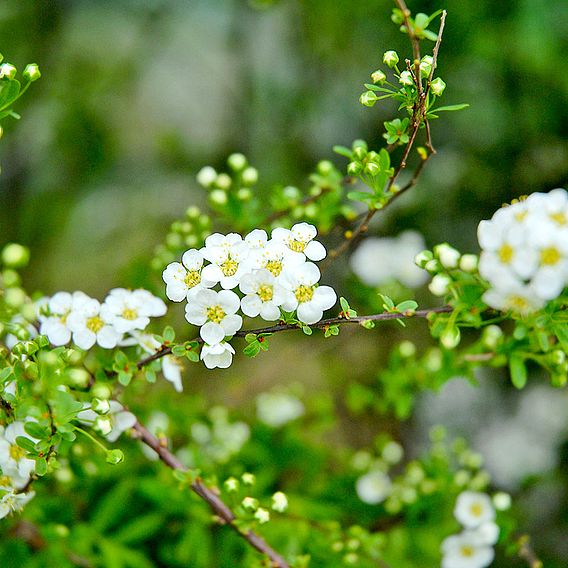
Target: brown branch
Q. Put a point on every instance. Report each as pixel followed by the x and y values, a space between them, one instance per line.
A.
pixel 418 118
pixel 221 510
pixel 166 349
pixel 527 553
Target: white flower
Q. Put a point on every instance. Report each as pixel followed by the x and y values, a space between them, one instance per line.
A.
pixel 279 502
pixel 309 300
pixel 256 239
pixel 262 515
pixel 58 307
pixel 216 313
pixel 513 296
pixel 440 284
pixel 206 176
pixel 13 460
pixel 14 502
pixel 275 257
pixel 132 309
pixel 120 420
pixel 278 408
pixel 92 323
pixel 463 551
pixel 553 205
pixel 218 355
pixel 299 239
pixel 486 534
pixel 378 260
pixel 473 509
pixel 185 279
pixel 263 295
pixel 390 58
pixel 373 487
pixel 227 255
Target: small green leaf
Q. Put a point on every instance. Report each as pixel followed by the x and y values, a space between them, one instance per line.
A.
pixel 179 350
pixel 37 431
pixel 250 337
pixel 307 329
pixel 518 370
pixel 252 349
pixel 388 303
pixel 26 444
pixel 368 324
pixel 114 457
pixel 344 304
pixel 450 108
pixel 41 467
pixel 124 378
pixel 150 375
pixel 343 151
pixel 169 334
pixel 407 306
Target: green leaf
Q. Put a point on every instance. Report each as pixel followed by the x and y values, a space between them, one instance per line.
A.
pixel 26 444
pixel 169 334
pixel 307 329
pixel 252 349
pixel 124 378
pixel 407 306
pixel 449 108
pixel 344 304
pixel 150 375
pixel 343 151
pixel 114 457
pixel 179 350
pixel 561 332
pixel 518 370
pixel 9 91
pixel 41 467
pixel 250 337
pixel 37 431
pixel 388 303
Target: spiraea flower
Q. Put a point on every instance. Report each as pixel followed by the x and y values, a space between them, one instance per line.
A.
pixel 304 296
pixel 278 408
pixel 13 460
pixel 12 502
pixel 185 279
pixel 263 295
pixel 473 509
pixel 300 240
pixel 464 551
pixel 90 323
pixel 113 424
pixel 132 309
pixel 216 313
pixel 274 257
pixel 525 252
pixel 57 310
pixel 227 255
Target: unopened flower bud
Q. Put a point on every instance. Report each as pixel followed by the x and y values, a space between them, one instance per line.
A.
pixel 262 515
pixel 244 194
pixel 492 336
pixel 449 256
pixel 250 503
pixel 422 258
pixel 502 501
pixel 248 478
pixel 433 266
pixel 237 162
pixel 231 485
pixel 31 72
pixel 368 98
pixel 450 337
pixel 426 65
pixel 440 284
pixel 378 77
pixel 103 425
pixel 101 390
pixel 79 378
pixel 250 176
pixel 354 168
pixel 390 58
pixel 279 502
pixel 15 255
pixel 218 196
pixel 437 86
pixel 469 262
pixel 100 405
pixel 7 70
pixel 407 348
pixel 360 149
pixel 325 167
pixel 224 181
pixel 15 297
pixel 406 78
pixel 206 176
pixel 372 168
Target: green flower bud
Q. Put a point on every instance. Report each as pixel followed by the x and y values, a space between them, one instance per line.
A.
pixel 78 377
pixel 231 485
pixel 262 515
pixel 469 262
pixel 407 348
pixel 325 167
pixel 440 284
pixel 218 197
pixel 15 297
pixel 492 336
pixel 15 255
pixel 206 176
pixel 502 501
pixel 103 425
pixel 354 168
pixel 368 98
pixel 224 181
pixel 450 337
pixel 10 278
pixel 250 176
pixel 378 77
pixel 406 79
pixel 193 211
pixel 248 479
pixel 101 390
pixel 433 266
pixel 422 258
pixel 291 193
pixel 244 194
pixel 448 256
pixel 390 58
pixel 426 65
pixel 372 169
pixel 237 162
pixel 250 503
pixel 100 405
pixel 437 86
pixel 114 457
pixel 7 70
pixel 31 72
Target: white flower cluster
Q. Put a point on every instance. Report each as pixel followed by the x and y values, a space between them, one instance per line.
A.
pixel 378 260
pixel 15 470
pixel 473 547
pixel 76 317
pixel 272 274
pixel 525 252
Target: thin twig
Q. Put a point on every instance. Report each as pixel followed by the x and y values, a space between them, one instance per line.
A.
pixel 221 510
pixel 166 349
pixel 527 553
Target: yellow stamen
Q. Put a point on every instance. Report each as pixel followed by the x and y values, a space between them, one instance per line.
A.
pixel 274 266
pixel 296 246
pixel 476 509
pixel 17 453
pixel 560 218
pixel 506 253
pixel 304 293
pixel 550 256
pixel 215 314
pixel 95 324
pixel 518 304
pixel 229 267
pixel 192 278
pixel 265 292
pixel 467 551
pixel 129 314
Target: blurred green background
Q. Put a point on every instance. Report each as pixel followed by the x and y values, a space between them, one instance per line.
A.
pixel 137 95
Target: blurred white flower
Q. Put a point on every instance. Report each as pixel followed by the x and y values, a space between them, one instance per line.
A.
pixel 277 408
pixel 378 260
pixel 14 502
pixel 474 509
pixel 463 551
pixel 373 487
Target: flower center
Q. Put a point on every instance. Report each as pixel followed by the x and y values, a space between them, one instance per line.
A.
pixel 274 266
pixel 520 216
pixel 5 481
pixel 517 304
pixel 95 324
pixel 296 246
pixel 63 317
pixel 129 314
pixel 304 293
pixel 560 218
pixel 215 314
pixel 192 278
pixel 229 267
pixel 265 292
pixel 549 256
pixel 467 551
pixel 17 453
pixel 506 253
pixel 476 509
